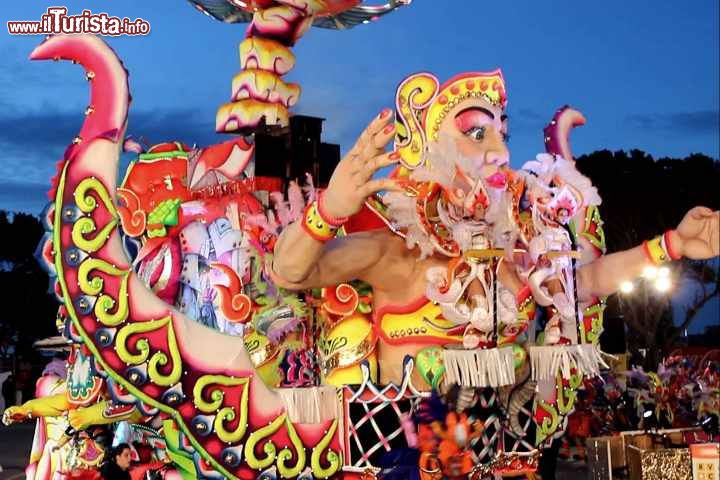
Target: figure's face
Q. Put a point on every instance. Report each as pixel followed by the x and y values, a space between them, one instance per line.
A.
pixel 479 130
pixel 124 459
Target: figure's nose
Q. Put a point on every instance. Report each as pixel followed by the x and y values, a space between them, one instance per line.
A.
pixel 497 152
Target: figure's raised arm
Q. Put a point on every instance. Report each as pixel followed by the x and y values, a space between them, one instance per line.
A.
pixel 697 237
pixel 307 253
pixel 52 406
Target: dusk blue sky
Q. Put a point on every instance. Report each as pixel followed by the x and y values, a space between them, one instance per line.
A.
pixel 644 72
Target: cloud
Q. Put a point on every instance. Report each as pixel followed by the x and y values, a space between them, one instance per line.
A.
pixel 529 114
pixel 525 121
pixel 25 82
pixel 19 196
pixel 698 122
pixel 33 141
pixel 46 129
pixel 346 116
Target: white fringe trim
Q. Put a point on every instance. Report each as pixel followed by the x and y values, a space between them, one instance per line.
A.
pixel 547 361
pixel 311 404
pixel 493 367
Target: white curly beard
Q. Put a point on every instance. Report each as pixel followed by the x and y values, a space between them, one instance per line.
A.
pixel 440 165
pixel 401 210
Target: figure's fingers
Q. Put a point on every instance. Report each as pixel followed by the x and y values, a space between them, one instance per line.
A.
pixel 375 126
pixel 702 212
pixel 715 234
pixel 378 162
pixel 374 186
pixel 382 137
pixel 377 136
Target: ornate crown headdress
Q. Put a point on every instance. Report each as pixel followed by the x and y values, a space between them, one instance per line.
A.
pixel 422 104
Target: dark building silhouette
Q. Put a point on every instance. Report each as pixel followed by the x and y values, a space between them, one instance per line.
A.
pixel 291 152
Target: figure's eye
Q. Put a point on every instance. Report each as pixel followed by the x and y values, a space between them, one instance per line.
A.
pixel 476 133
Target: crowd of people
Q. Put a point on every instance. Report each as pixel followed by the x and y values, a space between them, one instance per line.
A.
pixel 682 393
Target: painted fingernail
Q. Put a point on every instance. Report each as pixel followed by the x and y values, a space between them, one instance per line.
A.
pixel 394 156
pixel 389 129
pixel 385 113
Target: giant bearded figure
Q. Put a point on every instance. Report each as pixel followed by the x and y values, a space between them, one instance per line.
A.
pixel 468 249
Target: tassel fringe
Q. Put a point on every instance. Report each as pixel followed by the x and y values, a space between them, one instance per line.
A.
pixel 494 367
pixel 548 361
pixel 310 405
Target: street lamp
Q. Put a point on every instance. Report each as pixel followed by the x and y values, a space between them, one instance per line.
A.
pixel 663 284
pixel 650 272
pixel 627 287
pixel 659 276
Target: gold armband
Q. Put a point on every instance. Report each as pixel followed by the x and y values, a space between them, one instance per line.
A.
pixel 656 250
pixel 315 226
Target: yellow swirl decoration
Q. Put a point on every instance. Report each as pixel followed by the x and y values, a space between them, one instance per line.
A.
pixel 159 358
pixel 597 328
pixel 333 458
pixel 592 217
pixel 226 414
pixel 269 448
pixel 413 95
pixel 286 455
pixel 87 203
pixel 596 312
pixel 565 399
pixel 87 225
pixel 93 286
pixel 575 381
pixel 548 425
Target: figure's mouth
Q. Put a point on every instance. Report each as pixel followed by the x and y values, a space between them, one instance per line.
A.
pixel 497 180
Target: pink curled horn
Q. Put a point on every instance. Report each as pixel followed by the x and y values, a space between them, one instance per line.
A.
pixel 557 132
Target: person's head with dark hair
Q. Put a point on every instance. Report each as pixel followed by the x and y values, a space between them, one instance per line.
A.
pixel 121 455
pixel 117 463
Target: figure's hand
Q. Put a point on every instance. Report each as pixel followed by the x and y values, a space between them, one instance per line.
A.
pixel 352 182
pixel 82 418
pixel 698 235
pixel 14 415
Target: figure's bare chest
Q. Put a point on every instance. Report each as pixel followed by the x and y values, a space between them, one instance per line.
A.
pixel 405 280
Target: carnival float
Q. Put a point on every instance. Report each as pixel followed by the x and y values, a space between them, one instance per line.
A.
pixel 434 323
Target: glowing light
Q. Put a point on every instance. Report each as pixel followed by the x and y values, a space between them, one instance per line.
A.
pixel 627 287
pixel 663 284
pixel 663 272
pixel 650 272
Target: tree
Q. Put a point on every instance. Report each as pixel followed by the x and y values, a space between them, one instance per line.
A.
pixel 29 309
